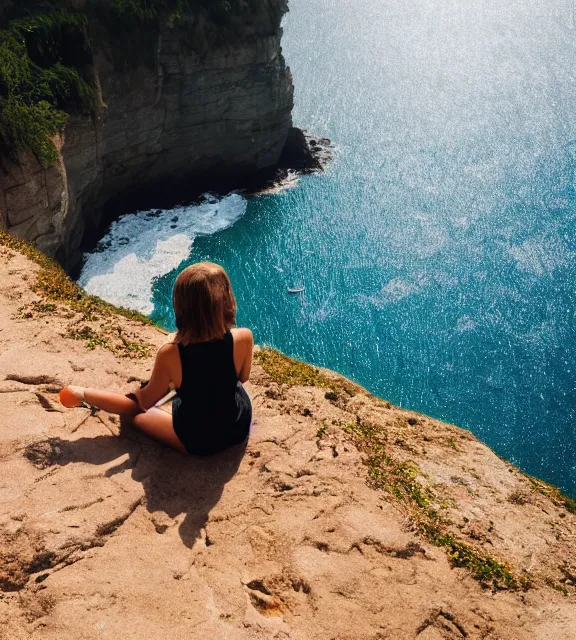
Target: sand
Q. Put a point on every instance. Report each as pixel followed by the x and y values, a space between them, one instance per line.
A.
pixel 106 534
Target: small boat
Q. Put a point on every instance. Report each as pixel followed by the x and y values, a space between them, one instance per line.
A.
pixel 295 289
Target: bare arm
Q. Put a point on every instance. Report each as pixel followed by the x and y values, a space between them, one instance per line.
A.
pixel 162 376
pixel 243 353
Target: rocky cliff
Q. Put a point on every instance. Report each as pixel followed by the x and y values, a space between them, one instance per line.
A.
pixel 345 518
pixel 181 102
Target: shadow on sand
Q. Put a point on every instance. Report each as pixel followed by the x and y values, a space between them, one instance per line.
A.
pixel 173 483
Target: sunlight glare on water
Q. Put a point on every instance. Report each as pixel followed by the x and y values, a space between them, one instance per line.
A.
pixel 438 251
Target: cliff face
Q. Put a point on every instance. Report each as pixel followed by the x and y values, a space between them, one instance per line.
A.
pixel 181 106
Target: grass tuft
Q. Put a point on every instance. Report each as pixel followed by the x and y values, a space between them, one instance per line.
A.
pixel 482 566
pixel 290 372
pixel 55 286
pixel 399 479
pixel 552 493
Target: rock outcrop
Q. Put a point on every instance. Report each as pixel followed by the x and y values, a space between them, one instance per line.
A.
pixel 345 518
pixel 184 110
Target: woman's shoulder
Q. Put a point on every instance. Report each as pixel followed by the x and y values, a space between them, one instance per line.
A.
pixel 242 334
pixel 167 351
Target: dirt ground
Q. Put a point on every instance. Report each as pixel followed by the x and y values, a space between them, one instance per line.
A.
pixel 345 518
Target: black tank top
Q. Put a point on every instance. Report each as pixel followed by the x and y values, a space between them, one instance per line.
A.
pixel 211 410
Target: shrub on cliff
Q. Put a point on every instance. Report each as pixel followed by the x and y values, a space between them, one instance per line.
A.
pixel 46 71
pixel 43 61
pixel 156 10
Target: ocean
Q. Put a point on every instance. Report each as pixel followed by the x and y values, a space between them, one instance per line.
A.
pixel 438 251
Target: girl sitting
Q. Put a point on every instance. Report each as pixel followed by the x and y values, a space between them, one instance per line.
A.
pixel 206 364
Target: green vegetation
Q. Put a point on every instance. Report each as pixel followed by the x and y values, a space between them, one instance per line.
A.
pixel 55 286
pixel 482 566
pixel 400 480
pixel 285 370
pixel 35 309
pixel 142 11
pixel 321 431
pixel 93 338
pixel 111 338
pixel 46 71
pixel 44 61
pixel 553 493
pixel 519 497
pixel 559 587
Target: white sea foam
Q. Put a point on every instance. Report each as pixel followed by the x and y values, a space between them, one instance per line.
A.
pixel 141 247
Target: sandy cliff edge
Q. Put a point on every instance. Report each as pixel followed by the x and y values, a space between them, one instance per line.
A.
pixel 345 518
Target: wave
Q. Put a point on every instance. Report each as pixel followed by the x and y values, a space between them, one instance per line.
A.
pixel 141 247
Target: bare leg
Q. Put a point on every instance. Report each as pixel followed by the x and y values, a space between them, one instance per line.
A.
pixel 158 425
pixel 154 423
pixel 111 402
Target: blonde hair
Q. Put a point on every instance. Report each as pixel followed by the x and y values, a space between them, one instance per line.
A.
pixel 204 304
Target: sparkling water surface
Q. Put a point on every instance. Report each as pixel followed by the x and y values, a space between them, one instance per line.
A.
pixel 438 250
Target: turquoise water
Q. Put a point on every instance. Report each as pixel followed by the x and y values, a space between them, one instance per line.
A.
pixel 438 251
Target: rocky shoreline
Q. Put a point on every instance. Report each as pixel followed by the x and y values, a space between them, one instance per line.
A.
pixel 180 107
pixel 303 154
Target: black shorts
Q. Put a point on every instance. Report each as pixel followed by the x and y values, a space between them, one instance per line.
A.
pixel 203 438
